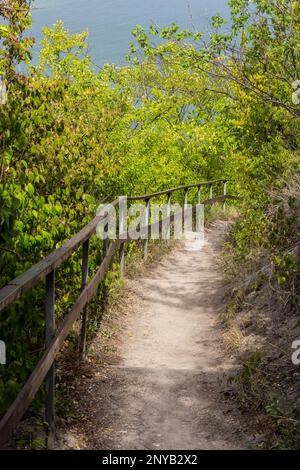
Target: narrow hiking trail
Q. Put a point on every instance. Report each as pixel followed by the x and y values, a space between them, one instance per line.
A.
pixel 166 388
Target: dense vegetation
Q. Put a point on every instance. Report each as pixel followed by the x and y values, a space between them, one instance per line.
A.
pixel 187 107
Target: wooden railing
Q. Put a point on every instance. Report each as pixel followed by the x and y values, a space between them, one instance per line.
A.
pixel 45 269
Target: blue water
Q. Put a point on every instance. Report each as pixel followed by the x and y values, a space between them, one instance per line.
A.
pixel 110 22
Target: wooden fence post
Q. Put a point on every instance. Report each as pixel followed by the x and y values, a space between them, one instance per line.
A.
pixel 84 283
pixel 168 234
pixel 105 241
pixel 199 195
pixel 122 230
pixel 105 249
pixel 147 217
pixel 186 201
pixel 186 198
pixel 122 259
pixel 210 191
pixel 50 378
pixel 224 194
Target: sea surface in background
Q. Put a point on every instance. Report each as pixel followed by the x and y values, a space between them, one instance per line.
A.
pixel 109 22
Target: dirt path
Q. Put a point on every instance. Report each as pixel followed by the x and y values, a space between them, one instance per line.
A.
pixel 167 389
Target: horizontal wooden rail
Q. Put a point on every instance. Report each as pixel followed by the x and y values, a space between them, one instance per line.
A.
pixel 46 269
pixel 173 190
